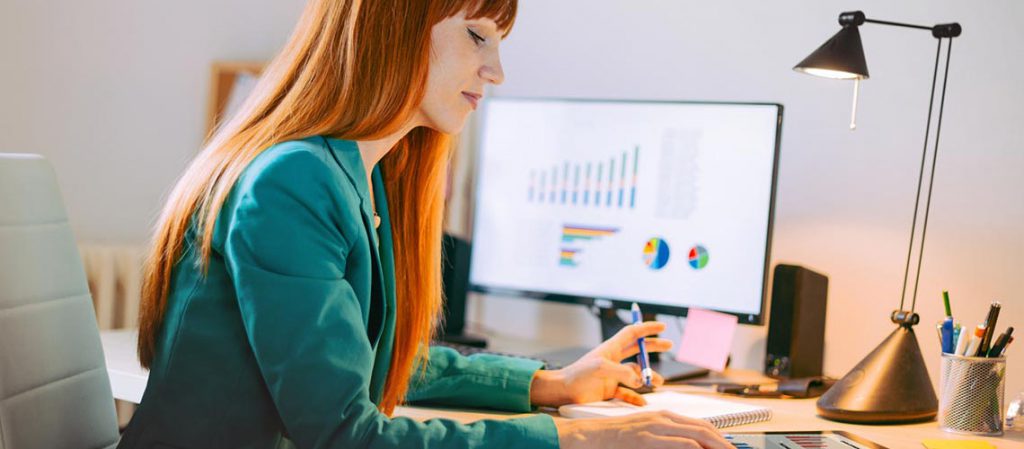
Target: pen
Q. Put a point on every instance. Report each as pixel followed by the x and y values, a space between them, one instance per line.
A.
pixel 946 335
pixel 990 324
pixel 1000 344
pixel 946 331
pixel 1003 354
pixel 645 363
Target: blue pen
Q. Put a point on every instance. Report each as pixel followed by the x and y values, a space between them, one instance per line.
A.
pixel 946 329
pixel 645 364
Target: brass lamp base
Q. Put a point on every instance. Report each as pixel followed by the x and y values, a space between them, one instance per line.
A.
pixel 891 385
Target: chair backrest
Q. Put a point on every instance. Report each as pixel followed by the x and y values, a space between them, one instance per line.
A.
pixel 54 389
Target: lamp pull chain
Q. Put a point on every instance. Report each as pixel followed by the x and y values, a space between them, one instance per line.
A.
pixel 853 114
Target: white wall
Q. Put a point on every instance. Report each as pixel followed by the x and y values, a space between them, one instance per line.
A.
pixel 113 92
pixel 845 198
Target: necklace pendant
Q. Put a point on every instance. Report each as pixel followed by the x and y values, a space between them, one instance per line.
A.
pixel 376 221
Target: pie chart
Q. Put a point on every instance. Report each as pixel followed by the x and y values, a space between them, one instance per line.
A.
pixel 656 253
pixel 698 257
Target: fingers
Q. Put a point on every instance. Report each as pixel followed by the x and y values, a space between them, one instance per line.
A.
pixel 623 374
pixel 656 379
pixel 630 396
pixel 632 332
pixel 685 443
pixel 697 430
pixel 684 420
pixel 652 344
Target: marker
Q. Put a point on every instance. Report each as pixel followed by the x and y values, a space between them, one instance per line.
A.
pixel 645 362
pixel 1000 344
pixel 990 328
pixel 961 342
pixel 975 341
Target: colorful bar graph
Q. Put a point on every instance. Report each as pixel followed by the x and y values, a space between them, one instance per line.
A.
pixel 568 257
pixel 583 183
pixel 575 235
pixel 565 181
pixel 622 180
pixel 586 187
pixel 576 183
pixel 611 181
pixel 554 182
pixel 632 190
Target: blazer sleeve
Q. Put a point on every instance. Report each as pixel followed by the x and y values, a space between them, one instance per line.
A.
pixel 286 254
pixel 480 380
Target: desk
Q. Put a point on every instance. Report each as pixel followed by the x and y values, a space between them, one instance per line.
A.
pixel 128 381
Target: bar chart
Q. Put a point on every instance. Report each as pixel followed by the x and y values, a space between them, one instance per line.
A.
pixel 608 183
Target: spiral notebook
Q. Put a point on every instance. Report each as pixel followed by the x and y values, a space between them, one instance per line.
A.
pixel 716 411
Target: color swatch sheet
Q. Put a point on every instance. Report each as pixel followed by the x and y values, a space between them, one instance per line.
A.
pixel 661 203
pixel 793 441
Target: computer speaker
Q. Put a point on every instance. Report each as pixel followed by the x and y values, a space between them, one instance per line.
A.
pixel 796 326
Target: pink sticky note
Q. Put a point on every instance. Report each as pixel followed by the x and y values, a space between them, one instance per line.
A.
pixel 707 339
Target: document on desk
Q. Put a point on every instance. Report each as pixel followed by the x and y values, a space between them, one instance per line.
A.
pixel 716 411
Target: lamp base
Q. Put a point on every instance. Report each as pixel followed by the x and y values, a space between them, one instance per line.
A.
pixel 891 385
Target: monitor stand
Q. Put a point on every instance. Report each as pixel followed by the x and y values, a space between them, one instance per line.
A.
pixel 663 363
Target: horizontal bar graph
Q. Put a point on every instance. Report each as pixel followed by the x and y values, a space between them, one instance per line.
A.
pixel 574 237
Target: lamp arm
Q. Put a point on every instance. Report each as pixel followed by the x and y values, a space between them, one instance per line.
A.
pixel 857 18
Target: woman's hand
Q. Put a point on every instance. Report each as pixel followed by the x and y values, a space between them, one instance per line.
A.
pixel 655 430
pixel 597 375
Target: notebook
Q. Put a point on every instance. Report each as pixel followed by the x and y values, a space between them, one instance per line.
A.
pixel 716 411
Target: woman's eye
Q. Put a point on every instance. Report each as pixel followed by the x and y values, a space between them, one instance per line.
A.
pixel 476 37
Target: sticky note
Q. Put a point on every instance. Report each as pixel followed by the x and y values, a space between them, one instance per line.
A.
pixel 957 444
pixel 707 339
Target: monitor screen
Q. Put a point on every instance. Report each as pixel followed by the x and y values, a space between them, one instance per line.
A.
pixel 668 204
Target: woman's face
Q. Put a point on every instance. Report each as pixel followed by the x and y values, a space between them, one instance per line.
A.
pixel 464 58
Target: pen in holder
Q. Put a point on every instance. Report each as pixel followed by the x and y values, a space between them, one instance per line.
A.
pixel 971 394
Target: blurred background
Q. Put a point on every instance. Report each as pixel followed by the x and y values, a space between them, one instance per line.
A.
pixel 115 94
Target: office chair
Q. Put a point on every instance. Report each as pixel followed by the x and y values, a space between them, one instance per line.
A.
pixel 54 389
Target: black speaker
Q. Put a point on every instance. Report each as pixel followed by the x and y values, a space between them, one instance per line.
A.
pixel 455 276
pixel 796 326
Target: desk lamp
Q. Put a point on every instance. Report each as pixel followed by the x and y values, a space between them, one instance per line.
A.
pixel 891 384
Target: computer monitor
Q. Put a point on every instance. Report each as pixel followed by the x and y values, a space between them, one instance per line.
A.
pixel 667 204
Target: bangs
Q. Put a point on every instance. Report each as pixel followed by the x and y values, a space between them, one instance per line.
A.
pixel 502 12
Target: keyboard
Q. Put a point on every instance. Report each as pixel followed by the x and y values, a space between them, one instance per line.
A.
pixel 467 350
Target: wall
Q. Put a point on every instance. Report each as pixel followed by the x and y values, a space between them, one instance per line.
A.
pixel 113 92
pixel 845 198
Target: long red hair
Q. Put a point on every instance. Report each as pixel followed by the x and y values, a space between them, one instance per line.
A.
pixel 355 70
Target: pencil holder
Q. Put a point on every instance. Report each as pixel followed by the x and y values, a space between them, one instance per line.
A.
pixel 971 394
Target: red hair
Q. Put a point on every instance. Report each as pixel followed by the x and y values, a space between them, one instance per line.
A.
pixel 354 70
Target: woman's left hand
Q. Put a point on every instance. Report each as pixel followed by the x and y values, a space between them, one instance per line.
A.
pixel 597 375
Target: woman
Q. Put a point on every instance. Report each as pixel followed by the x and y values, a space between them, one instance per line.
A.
pixel 294 278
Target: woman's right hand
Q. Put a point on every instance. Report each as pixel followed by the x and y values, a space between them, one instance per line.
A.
pixel 655 430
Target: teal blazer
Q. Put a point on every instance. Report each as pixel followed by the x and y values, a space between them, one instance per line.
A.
pixel 286 341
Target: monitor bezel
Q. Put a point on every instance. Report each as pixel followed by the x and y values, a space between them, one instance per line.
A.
pixel 620 303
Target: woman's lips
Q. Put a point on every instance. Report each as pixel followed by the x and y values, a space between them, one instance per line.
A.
pixel 473 99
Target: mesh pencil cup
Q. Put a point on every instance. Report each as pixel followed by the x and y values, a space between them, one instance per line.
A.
pixel 971 394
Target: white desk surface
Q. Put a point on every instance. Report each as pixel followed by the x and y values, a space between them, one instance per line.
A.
pixel 128 381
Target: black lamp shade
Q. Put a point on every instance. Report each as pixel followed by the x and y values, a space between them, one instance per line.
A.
pixel 841 57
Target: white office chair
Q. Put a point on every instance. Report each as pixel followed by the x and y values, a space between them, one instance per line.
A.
pixel 54 390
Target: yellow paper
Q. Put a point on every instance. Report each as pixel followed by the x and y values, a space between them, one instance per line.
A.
pixel 957 444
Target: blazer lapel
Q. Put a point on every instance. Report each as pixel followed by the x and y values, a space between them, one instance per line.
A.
pixel 346 153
